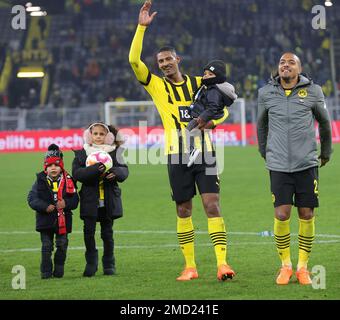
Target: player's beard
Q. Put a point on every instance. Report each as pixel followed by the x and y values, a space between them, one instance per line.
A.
pixel 288 79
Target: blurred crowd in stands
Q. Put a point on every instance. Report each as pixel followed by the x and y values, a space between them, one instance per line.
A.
pixel 91 41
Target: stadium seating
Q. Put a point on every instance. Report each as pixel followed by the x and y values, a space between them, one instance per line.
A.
pixel 90 44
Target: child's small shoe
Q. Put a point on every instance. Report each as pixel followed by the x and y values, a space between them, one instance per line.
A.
pixel 109 271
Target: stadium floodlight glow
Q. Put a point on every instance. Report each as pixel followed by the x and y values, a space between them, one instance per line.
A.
pixel 328 3
pixel 38 74
pixel 38 14
pixel 32 9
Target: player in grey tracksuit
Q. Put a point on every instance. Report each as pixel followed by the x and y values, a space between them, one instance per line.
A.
pixel 286 132
pixel 287 109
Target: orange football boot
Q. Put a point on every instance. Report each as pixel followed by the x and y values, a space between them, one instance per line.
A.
pixel 224 272
pixel 303 276
pixel 188 274
pixel 285 274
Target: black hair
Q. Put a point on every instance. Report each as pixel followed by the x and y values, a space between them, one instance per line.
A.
pixel 167 48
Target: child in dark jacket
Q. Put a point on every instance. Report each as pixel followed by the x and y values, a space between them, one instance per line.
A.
pixel 210 100
pixel 100 196
pixel 53 196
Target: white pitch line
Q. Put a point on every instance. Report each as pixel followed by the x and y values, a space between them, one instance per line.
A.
pixel 133 232
pixel 231 243
pixel 167 232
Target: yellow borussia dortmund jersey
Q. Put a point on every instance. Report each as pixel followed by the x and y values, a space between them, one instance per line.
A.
pixel 172 100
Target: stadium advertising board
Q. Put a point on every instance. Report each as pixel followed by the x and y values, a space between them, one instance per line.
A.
pixel 135 137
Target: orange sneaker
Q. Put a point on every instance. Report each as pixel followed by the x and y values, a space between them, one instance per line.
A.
pixel 224 272
pixel 303 276
pixel 285 274
pixel 188 274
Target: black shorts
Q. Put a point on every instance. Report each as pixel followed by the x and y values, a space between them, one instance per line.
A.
pixel 183 180
pixel 296 188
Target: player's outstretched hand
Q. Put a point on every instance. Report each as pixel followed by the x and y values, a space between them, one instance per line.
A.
pixel 145 18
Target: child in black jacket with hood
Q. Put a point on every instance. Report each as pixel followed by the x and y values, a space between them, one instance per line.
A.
pixel 209 100
pixel 100 195
pixel 53 196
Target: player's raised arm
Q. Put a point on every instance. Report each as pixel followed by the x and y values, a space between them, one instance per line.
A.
pixel 144 20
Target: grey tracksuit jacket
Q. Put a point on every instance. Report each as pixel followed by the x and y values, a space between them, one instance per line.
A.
pixel 285 125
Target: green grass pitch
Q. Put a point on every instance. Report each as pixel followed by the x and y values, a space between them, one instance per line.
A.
pixel 147 254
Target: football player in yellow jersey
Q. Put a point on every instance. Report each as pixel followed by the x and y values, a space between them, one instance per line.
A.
pixel 172 96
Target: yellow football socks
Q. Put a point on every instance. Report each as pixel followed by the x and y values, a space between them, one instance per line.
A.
pixel 185 234
pixel 218 236
pixel 282 240
pixel 306 237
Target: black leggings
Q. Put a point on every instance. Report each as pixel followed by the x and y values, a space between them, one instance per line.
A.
pixel 106 233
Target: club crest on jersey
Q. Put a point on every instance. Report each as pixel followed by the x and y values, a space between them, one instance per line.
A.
pixel 302 93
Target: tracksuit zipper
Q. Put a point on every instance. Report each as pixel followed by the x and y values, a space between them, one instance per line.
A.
pixel 288 133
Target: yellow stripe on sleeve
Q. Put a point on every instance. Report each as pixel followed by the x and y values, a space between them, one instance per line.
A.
pixel 220 120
